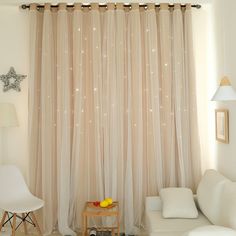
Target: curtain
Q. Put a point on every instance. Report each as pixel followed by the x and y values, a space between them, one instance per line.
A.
pixel 112 108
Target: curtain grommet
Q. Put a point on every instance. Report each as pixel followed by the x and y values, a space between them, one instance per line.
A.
pixel 164 6
pixel 33 6
pixel 119 6
pixel 94 6
pixel 78 6
pixel 62 6
pixel 134 6
pixel 110 6
pixel 151 6
pixel 47 6
pixel 177 6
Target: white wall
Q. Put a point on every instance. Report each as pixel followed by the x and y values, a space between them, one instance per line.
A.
pixel 204 51
pixel 14 51
pixel 225 35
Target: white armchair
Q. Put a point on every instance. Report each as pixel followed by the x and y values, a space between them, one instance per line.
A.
pixel 16 200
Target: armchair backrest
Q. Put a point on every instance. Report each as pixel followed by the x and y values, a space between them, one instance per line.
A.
pixel 12 183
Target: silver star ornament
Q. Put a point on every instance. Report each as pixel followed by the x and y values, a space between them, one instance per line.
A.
pixel 12 80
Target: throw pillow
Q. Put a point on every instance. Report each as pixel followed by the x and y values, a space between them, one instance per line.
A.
pixel 178 203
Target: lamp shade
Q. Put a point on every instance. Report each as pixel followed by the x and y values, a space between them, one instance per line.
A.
pixel 8 116
pixel 225 92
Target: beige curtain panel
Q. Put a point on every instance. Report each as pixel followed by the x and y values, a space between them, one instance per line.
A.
pixel 112 108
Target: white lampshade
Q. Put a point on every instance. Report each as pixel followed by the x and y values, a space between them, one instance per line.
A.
pixel 225 92
pixel 8 116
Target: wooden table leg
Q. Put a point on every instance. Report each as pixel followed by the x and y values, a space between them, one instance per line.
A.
pixel 84 225
pixel 113 232
pixel 118 225
pixel 14 225
pixel 3 219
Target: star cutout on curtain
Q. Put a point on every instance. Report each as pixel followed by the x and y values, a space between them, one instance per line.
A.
pixel 12 80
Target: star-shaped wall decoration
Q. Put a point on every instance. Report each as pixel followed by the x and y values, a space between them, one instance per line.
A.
pixel 12 80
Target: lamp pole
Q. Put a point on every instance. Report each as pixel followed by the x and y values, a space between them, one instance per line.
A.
pixel 8 118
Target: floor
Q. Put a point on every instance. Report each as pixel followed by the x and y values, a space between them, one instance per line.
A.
pixel 20 232
pixel 54 234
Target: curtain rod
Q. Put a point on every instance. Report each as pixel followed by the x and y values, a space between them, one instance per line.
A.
pixel 27 6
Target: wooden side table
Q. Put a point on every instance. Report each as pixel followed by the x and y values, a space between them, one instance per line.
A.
pixel 96 211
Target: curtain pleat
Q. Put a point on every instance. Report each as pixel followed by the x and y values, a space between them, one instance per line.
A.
pixel 48 120
pixel 180 91
pixel 193 130
pixel 78 111
pixel 112 109
pixel 64 118
pixel 151 90
pixel 167 97
pixel 34 103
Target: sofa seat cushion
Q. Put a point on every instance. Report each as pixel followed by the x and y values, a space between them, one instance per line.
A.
pixel 156 223
pixel 211 230
pixel 167 234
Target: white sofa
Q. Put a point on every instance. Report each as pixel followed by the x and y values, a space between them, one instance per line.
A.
pixel 215 200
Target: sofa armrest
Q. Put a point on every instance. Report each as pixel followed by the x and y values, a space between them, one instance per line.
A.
pixel 153 203
pixel 211 230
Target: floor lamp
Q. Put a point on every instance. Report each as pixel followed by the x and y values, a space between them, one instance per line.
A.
pixel 8 118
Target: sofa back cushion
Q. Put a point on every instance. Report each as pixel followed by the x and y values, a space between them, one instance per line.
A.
pixel 228 207
pixel 209 194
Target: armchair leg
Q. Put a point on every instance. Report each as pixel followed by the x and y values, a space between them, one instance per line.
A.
pixel 24 223
pixel 3 219
pixel 36 223
pixel 14 225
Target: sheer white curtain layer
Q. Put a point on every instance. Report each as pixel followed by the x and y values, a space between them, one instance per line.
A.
pixel 112 109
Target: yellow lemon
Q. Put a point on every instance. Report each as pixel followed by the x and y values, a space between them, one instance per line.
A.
pixel 103 204
pixel 109 200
